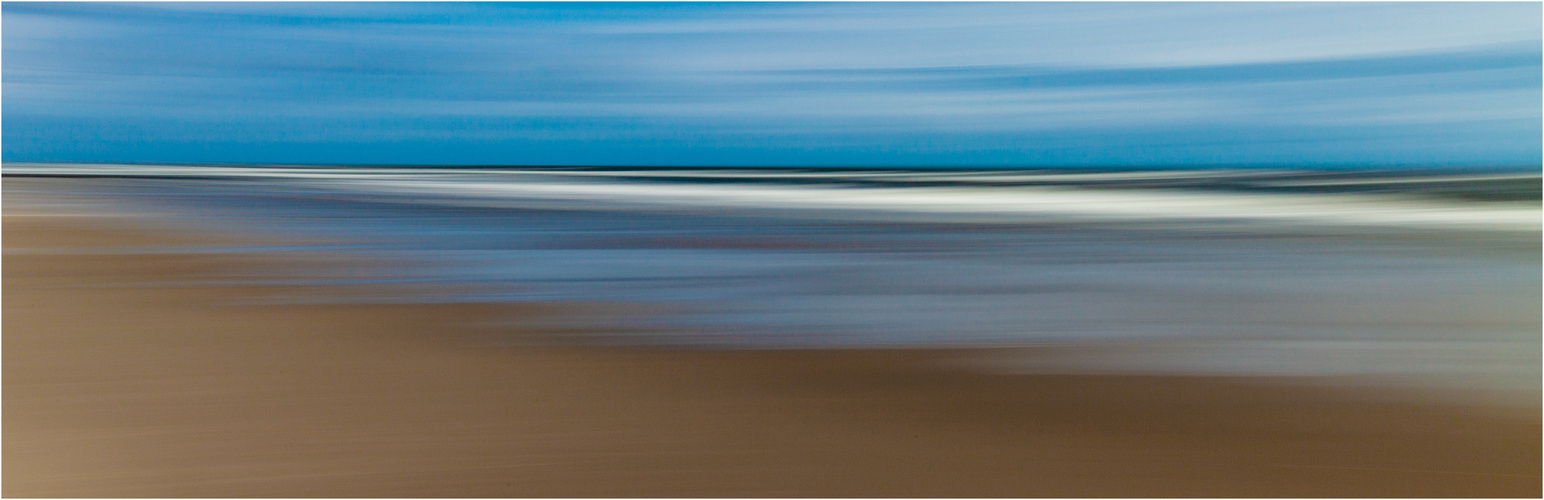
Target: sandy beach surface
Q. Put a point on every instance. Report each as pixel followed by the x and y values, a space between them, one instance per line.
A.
pixel 121 379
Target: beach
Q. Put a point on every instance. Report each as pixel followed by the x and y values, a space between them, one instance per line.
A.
pixel 134 374
pixel 772 250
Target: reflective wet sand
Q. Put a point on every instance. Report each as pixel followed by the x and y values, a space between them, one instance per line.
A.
pixel 124 376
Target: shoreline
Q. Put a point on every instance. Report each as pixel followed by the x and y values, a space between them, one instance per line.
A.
pixel 119 385
pixel 1386 201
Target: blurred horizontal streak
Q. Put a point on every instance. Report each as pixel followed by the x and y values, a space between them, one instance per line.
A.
pixel 1421 471
pixel 999 196
pixel 1504 57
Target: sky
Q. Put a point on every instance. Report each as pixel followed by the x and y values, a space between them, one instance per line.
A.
pixel 1335 85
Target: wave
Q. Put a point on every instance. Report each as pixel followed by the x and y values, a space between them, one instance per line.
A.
pixel 1450 201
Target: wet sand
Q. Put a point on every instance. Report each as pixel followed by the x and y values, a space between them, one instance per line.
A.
pixel 118 381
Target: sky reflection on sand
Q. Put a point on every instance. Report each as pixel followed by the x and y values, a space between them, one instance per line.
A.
pixel 1247 296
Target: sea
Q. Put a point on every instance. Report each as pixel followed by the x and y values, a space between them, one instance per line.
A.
pixel 1428 275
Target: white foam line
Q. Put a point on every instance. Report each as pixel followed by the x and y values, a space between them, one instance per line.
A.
pixel 1032 203
pixel 1066 203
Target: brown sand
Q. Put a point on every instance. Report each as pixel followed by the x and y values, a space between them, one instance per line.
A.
pixel 115 385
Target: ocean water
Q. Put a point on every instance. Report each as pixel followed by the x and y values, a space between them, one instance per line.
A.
pixel 1270 273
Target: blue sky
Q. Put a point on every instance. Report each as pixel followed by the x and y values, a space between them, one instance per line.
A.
pixel 827 84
